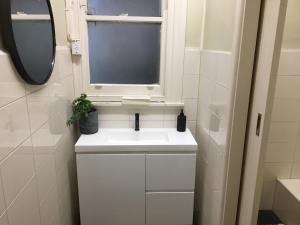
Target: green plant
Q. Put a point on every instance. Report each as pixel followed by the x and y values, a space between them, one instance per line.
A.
pixel 81 107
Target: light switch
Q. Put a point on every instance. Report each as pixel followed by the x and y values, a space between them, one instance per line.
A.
pixel 76 47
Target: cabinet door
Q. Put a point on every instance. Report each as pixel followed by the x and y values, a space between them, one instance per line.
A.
pixel 170 172
pixel 172 208
pixel 111 189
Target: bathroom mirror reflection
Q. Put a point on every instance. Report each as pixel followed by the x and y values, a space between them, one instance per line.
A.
pixel 28 34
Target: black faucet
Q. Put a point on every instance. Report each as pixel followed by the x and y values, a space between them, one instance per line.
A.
pixel 137 122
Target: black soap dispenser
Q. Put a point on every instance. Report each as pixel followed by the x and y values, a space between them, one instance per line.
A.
pixel 181 122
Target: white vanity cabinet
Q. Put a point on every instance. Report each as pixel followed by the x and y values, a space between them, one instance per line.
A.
pixel 133 185
pixel 111 189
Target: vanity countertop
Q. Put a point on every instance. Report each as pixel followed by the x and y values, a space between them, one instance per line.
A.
pixel 145 140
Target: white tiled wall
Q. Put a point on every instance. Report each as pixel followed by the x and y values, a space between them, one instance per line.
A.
pixel 37 163
pixel 283 150
pixel 212 129
pixel 123 117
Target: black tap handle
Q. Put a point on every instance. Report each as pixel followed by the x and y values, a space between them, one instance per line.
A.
pixel 137 122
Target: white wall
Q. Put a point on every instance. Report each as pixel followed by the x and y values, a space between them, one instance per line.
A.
pixel 212 131
pixel 214 107
pixel 37 160
pixel 219 24
pixel 194 23
pixel 291 37
pixel 58 7
pixel 283 150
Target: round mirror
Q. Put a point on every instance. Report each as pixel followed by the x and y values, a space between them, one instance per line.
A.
pixel 28 33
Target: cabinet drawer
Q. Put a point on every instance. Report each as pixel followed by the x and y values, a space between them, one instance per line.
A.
pixel 170 172
pixel 169 208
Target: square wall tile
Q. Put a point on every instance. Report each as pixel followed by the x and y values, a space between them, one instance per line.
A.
pixel 114 124
pixel 34 88
pixel 297 153
pixel 283 132
pixel 204 117
pixel 170 124
pixel 289 63
pixel 63 150
pixel 272 171
pixel 4 220
pixel 286 110
pixel 43 141
pixel 2 200
pixel 45 174
pixel 11 85
pixel 287 87
pixel 25 210
pixel 29 163
pixel 64 61
pixel 113 114
pixel 280 152
pixel 39 105
pixel 192 126
pixel 215 167
pixel 190 108
pixel 266 202
pixel 220 101
pixel 190 86
pixel 217 199
pixel 14 126
pixel 295 171
pixel 171 114
pixel 206 91
pixel 225 71
pixel 148 124
pixel 49 207
pixel 17 170
pixel 147 114
pixel 208 63
pixel 68 90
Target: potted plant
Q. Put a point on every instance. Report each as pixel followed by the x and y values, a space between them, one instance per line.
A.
pixel 86 114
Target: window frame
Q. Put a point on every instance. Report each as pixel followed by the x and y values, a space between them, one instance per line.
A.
pixel 169 89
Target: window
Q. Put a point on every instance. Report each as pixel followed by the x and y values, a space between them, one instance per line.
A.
pixel 124 41
pixel 129 47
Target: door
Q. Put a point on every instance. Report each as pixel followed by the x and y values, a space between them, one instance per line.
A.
pixel 111 189
pixel 267 59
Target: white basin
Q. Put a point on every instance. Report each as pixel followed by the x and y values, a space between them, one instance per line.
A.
pixel 154 139
pixel 137 136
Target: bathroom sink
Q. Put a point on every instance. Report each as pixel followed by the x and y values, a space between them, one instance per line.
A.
pixel 134 136
pixel 128 140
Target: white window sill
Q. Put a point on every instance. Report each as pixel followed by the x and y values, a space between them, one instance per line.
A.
pixel 140 104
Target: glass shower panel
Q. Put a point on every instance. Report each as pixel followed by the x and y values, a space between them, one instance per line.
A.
pixel 124 53
pixel 149 8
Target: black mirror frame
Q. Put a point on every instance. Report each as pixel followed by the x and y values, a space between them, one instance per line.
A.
pixel 6 30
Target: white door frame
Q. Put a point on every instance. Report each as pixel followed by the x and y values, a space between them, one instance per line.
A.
pixel 247 34
pixel 245 39
pixel 263 88
pixel 241 102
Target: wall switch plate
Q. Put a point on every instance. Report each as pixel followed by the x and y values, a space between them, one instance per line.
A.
pixel 76 47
